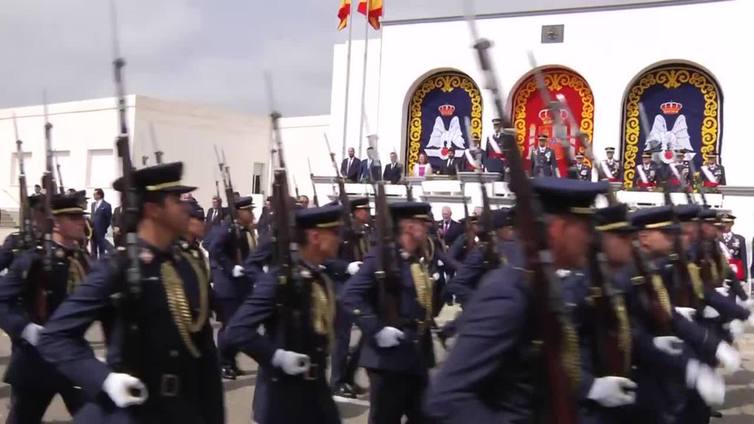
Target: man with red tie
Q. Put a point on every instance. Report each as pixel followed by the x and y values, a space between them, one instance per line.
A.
pixel 447 229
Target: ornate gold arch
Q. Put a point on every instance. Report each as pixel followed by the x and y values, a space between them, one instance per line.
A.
pixel 447 82
pixel 670 78
pixel 555 80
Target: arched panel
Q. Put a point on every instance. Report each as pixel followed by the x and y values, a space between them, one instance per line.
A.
pixel 437 111
pixel 531 116
pixel 683 104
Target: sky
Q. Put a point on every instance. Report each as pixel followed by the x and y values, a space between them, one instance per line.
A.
pixel 202 51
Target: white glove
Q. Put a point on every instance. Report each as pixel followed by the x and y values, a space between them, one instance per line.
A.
pixel 668 344
pixel 710 386
pixel 291 363
pixel 728 356
pixel 237 271
pixel 612 391
pixel 31 333
pixel 124 390
pixel 353 267
pixel 750 320
pixel 736 328
pixel 710 312
pixel 389 337
pixel 440 262
pixel 687 313
pixel 722 290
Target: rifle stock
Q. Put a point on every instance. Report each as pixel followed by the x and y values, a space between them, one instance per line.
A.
pixel 26 229
pixel 315 199
pixel 349 234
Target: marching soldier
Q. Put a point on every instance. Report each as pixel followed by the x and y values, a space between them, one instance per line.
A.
pixel 13 243
pixel 543 162
pixel 33 289
pixel 462 245
pixel 345 362
pixel 397 355
pixel 489 374
pixel 583 169
pixel 646 173
pixel 712 173
pixel 292 349
pixel 173 376
pixel 229 245
pixel 611 166
pixel 736 248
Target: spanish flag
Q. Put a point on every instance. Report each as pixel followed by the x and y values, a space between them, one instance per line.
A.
pixel 375 11
pixel 343 13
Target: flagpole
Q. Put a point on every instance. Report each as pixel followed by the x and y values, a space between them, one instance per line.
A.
pixel 364 78
pixel 348 82
pixel 379 80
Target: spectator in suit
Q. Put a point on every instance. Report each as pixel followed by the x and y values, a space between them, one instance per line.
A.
pixel 394 170
pixel 264 221
pixel 116 224
pixel 216 213
pixel 451 165
pixel 370 167
pixel 37 190
pixel 350 167
pixel 102 215
pixel 422 168
pixel 447 229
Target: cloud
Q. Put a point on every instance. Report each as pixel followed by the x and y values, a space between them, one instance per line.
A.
pixel 190 50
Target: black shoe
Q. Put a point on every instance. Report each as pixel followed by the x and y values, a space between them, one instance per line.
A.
pixel 229 373
pixel 344 391
pixel 716 414
pixel 358 390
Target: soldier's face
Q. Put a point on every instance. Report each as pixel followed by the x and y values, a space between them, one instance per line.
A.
pixel 610 155
pixel 70 227
pixel 326 241
pixel 689 234
pixel 245 217
pixel 361 215
pixel 542 142
pixel 174 215
pixel 569 239
pixel 709 231
pixel 412 235
pixel 617 247
pixel 656 242
pixel 727 228
pixel 196 228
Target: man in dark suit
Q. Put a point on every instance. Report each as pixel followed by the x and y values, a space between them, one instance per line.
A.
pixel 102 215
pixel 447 229
pixel 451 165
pixel 216 213
pixel 116 224
pixel 394 170
pixel 370 167
pixel 350 167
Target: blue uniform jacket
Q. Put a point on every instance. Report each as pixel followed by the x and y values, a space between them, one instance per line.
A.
pixel 221 246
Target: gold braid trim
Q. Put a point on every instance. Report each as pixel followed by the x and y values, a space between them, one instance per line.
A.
pixel 624 331
pixel 178 305
pixel 662 293
pixel 323 309
pixel 696 280
pixel 571 357
pixel 76 274
pixel 251 239
pixel 202 279
pixel 423 287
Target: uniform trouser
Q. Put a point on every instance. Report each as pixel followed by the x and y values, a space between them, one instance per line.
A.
pixel 393 395
pixel 225 309
pixel 28 405
pixel 695 411
pixel 344 362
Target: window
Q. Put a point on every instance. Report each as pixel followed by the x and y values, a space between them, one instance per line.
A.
pixel 257 178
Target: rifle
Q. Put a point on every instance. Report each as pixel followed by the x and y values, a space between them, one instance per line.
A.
pixel 157 152
pixel 487 235
pixel 467 228
pixel 26 230
pixel 551 326
pixel 295 187
pixel 314 186
pixel 132 349
pixel 48 181
pixel 217 189
pixel 229 198
pixel 61 189
pixel 349 235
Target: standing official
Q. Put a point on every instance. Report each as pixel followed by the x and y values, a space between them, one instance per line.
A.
pixel 712 173
pixel 370 167
pixel 611 166
pixel 451 165
pixel 394 170
pixel 448 230
pixel 173 376
pixel 735 245
pixel 583 169
pixel 101 217
pixel 216 213
pixel 646 173
pixel 542 158
pixel 495 158
pixel 29 294
pixel 397 355
pixel 297 320
pixel 350 168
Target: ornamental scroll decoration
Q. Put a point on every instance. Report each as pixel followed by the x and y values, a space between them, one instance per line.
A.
pixel 437 112
pixel 684 107
pixel 530 117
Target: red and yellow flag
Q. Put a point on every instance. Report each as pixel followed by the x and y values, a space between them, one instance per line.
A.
pixel 375 11
pixel 344 11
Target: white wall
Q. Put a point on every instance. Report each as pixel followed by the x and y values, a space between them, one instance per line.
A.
pixel 185 132
pixel 304 143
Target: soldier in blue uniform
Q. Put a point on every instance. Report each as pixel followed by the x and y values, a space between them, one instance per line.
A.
pixel 29 294
pixel 344 361
pixel 583 169
pixel 229 245
pixel 397 355
pixel 461 246
pixel 488 376
pixel 542 158
pixel 173 376
pixel 289 332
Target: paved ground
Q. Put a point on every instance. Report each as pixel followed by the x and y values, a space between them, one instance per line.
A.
pixel 738 409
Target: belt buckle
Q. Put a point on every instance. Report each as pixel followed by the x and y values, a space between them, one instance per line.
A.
pixel 169 386
pixel 312 373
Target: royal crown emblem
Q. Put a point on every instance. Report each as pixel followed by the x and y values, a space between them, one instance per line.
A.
pixel 447 110
pixel 546 116
pixel 671 108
